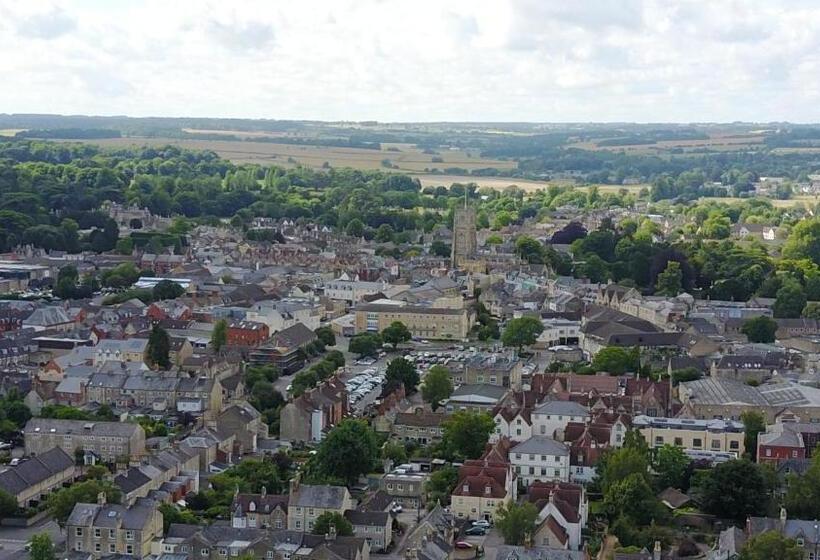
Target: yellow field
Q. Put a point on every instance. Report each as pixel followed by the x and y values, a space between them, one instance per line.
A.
pixel 408 158
pixel 715 142
pixel 10 131
pixel 795 201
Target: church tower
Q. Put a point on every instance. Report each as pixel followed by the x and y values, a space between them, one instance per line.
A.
pixel 464 234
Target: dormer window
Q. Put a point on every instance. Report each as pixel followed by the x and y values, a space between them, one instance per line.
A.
pixel 488 490
pixel 800 541
pixel 252 506
pixel 466 488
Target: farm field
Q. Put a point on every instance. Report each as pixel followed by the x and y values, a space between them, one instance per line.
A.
pixel 406 158
pixel 500 183
pixel 715 142
pixel 795 201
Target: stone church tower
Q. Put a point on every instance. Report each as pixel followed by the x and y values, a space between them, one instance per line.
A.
pixel 464 234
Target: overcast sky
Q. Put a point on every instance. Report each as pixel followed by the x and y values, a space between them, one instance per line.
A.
pixel 414 60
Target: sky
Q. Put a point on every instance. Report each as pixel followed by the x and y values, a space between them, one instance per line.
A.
pixel 415 60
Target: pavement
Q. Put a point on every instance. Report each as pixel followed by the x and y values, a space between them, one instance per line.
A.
pixel 14 539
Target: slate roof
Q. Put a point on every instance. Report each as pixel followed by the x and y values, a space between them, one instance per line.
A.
pixel 328 497
pixel 561 408
pixel 122 429
pixel 369 518
pixel 35 470
pixel 540 445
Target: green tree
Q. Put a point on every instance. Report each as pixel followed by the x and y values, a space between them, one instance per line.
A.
pixel 439 249
pixel 670 281
pixel 770 545
pixel 326 335
pixel 8 504
pixel 41 547
pixel 437 386
pixel 529 249
pixel 812 310
pixel 219 336
pixel 440 484
pixel 734 490
pixel 394 451
pixel 396 333
pixel 754 423
pixel 617 360
pixel 334 519
pixel 631 498
pixel 620 463
pixel 348 451
pixel 365 344
pixel 671 465
pixel 355 228
pixel 760 329
pixel 159 347
pixel 384 233
pixel 466 433
pixel 167 289
pixel 125 246
pixel 516 522
pixel 61 502
pixel 521 332
pixel 802 499
pixel 804 241
pixel 790 300
pixel 400 370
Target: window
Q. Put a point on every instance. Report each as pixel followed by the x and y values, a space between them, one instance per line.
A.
pixel 800 541
pixel 269 554
pixel 679 442
pixel 734 445
pixel 97 533
pixel 768 452
pixel 78 545
pixel 129 535
pixel 97 547
pixel 112 533
pixel 557 473
pixel 129 549
pixel 298 524
pixel 715 444
pixel 697 443
pixel 78 531
pixel 658 440
pixel 204 552
pixel 112 547
pixel 223 551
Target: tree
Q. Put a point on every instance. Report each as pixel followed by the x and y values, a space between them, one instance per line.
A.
pixel 125 246
pixel 333 519
pixel 670 281
pixel 804 241
pixel 440 485
pixel 529 249
pixel 326 335
pixel 790 300
pixel 812 310
pixel 802 499
pixel 437 386
pixel 159 346
pixel 771 545
pixel 167 289
pixel 66 285
pixel 516 522
pixel 8 504
pixel 672 467
pixel 396 333
pixel 365 344
pixel 41 547
pixel 734 490
pixel 754 423
pixel 384 233
pixel 466 433
pixel 620 463
pixel 172 514
pixel 62 502
pixel 521 332
pixel 348 451
pixel 219 336
pixel 355 228
pixel 617 360
pixel 439 249
pixel 631 498
pixel 760 329
pixel 395 452
pixel 400 370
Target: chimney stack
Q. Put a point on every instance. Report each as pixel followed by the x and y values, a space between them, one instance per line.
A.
pixel 101 498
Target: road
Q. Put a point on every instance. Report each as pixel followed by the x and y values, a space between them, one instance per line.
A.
pixel 14 539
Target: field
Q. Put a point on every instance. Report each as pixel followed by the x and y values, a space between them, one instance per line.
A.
pixel 10 131
pixel 795 201
pixel 716 142
pixel 403 157
pixel 500 183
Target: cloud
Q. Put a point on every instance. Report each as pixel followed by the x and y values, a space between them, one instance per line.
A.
pixel 46 25
pixel 427 60
pixel 238 36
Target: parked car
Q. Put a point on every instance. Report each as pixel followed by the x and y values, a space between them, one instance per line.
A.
pixel 476 531
pixel 481 523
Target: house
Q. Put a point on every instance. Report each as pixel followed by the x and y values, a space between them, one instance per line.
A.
pixel 540 458
pixel 285 350
pixel 32 479
pixel 52 318
pixel 804 532
pixel 432 539
pixel 212 447
pixel 758 231
pixel 587 442
pixel 691 435
pixel 562 514
pixel 246 423
pixel 307 417
pixel 376 527
pixel 477 397
pixel 280 315
pixel 101 529
pixel 420 426
pixel 514 423
pixel 493 369
pixel 106 441
pixel 260 510
pixel 550 418
pixel 247 333
pixel 404 485
pixel 308 502
pixel 483 485
pixel 510 552
pixel 786 440
pixel 423 321
pixel 130 350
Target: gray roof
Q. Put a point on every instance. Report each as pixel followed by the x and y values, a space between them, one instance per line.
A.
pixel 35 470
pixel 329 497
pixel 561 408
pixel 369 518
pixel 508 552
pixel 480 389
pixel 541 445
pixel 46 425
pixel 112 515
pixel 47 316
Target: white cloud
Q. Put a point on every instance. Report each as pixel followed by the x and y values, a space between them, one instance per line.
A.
pixel 504 60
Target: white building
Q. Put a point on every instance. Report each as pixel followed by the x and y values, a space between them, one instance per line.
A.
pixel 559 332
pixel 540 459
pixel 551 417
pixel 282 314
pixel 352 291
pixel 513 424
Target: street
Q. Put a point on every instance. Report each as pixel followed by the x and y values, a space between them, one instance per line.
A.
pixel 14 539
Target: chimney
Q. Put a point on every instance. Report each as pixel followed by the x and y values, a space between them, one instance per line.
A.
pixel 782 518
pixel 101 498
pixel 264 491
pixel 293 486
pixel 656 554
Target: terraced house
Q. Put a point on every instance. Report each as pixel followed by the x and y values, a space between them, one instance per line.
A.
pixel 33 479
pixel 104 441
pixel 101 529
